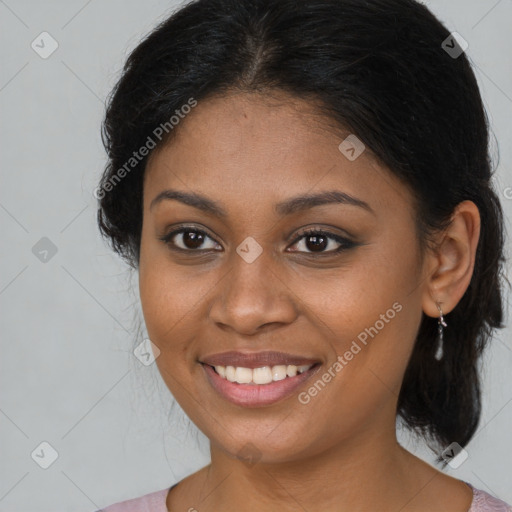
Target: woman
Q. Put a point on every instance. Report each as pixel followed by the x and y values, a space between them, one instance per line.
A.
pixel 304 189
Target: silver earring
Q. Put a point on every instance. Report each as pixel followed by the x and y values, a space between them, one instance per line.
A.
pixel 441 324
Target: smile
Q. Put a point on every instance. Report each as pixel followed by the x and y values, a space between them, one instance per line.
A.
pixel 257 379
pixel 263 375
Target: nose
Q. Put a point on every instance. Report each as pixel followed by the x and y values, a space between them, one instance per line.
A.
pixel 253 297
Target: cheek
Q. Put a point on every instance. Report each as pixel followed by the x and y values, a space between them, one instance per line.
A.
pixel 369 314
pixel 170 304
pixel 164 299
pixel 351 299
pixel 175 302
pixel 168 294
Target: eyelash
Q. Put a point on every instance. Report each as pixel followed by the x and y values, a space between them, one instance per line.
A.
pixel 345 243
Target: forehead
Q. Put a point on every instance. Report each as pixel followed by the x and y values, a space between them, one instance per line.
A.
pixel 249 148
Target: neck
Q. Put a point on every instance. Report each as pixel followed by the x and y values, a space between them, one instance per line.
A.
pixel 370 471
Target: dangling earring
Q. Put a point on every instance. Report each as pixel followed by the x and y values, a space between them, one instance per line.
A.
pixel 441 324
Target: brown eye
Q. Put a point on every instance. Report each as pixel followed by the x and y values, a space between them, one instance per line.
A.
pixel 317 241
pixel 188 239
pixel 192 239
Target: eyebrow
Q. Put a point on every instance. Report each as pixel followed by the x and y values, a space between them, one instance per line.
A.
pixel 288 207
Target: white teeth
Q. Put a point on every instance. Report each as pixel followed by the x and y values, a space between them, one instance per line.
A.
pixel 279 372
pixel 243 375
pixel 262 375
pixel 230 373
pixel 291 370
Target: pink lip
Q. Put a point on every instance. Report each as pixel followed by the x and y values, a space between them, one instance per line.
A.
pixel 255 359
pixel 256 395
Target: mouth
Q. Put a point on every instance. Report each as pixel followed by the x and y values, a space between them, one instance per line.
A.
pixel 255 380
pixel 262 375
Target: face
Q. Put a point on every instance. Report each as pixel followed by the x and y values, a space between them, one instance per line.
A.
pixel 237 272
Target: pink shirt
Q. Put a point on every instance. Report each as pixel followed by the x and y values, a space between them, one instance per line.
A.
pixel 155 502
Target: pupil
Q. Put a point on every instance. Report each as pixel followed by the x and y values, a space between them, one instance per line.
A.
pixel 192 240
pixel 319 243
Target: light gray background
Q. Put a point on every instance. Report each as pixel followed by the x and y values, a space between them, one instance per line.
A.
pixel 68 326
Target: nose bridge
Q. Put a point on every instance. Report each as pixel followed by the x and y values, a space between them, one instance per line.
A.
pixel 251 269
pixel 252 295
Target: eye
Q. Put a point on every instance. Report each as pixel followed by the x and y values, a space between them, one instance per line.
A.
pixel 318 240
pixel 189 239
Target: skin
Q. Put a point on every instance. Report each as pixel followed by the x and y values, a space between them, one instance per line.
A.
pixel 339 452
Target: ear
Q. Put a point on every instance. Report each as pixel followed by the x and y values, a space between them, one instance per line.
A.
pixel 450 265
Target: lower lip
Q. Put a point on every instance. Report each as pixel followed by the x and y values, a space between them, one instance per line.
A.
pixel 257 395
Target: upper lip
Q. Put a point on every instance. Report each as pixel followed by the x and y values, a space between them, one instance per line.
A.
pixel 256 359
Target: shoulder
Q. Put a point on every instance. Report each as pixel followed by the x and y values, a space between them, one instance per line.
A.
pixel 152 502
pixel 484 502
